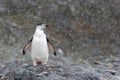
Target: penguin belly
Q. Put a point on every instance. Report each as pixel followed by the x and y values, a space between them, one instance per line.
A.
pixel 39 50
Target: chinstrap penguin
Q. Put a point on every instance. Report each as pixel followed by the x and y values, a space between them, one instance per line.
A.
pixel 39 46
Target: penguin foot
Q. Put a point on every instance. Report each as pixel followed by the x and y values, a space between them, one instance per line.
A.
pixel 35 63
pixel 43 63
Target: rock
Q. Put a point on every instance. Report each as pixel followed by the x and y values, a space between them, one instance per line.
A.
pixel 19 71
pixel 117 77
pixel 113 72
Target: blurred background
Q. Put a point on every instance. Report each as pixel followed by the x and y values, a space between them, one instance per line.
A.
pixel 82 31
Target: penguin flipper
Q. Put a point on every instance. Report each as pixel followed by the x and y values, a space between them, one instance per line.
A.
pixel 50 45
pixel 27 46
pixel 55 53
pixel 23 52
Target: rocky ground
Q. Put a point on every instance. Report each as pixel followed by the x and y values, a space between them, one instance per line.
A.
pixel 20 71
pixel 108 69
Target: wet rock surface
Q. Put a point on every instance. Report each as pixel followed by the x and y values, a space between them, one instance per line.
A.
pixel 25 71
pixel 15 71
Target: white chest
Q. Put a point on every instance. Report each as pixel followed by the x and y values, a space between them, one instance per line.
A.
pixel 39 48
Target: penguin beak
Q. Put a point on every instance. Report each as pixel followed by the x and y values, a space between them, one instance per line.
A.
pixel 46 25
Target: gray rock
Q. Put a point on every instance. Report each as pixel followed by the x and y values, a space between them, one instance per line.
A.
pixel 19 71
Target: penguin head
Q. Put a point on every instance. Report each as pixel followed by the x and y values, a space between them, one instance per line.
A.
pixel 42 26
